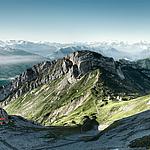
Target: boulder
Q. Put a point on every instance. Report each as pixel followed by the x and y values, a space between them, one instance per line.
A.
pixel 4 118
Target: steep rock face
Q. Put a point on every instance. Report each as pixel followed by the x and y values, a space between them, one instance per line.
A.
pixel 31 78
pixel 143 65
pixel 75 65
pixel 86 60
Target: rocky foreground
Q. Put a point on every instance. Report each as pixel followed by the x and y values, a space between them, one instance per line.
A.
pixel 128 133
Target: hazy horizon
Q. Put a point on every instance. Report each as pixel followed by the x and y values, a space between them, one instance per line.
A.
pixel 76 41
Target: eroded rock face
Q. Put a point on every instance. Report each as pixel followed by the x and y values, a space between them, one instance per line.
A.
pixel 30 79
pixel 86 61
pixel 143 65
pixel 75 65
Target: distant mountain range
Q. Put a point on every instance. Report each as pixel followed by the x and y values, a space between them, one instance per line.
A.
pixel 17 56
pixel 117 50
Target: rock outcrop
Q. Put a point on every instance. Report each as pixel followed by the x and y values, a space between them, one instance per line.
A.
pixel 76 65
pixel 4 119
pixel 130 132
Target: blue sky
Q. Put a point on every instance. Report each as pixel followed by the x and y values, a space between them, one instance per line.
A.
pixel 75 20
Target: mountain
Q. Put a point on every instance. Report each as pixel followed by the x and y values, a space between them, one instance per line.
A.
pixel 63 52
pixel 52 90
pixel 15 61
pixel 117 50
pixel 110 52
pixel 142 64
pixel 39 48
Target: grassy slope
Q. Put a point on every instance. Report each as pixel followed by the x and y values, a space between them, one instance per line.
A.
pixel 110 112
pixel 40 103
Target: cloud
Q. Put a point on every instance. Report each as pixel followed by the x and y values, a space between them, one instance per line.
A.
pixel 5 60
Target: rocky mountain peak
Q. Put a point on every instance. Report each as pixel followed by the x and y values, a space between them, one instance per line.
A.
pixel 84 61
pixel 74 66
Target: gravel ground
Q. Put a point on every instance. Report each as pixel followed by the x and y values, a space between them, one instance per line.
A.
pixel 28 136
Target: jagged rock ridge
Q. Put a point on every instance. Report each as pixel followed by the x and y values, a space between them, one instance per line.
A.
pixel 120 78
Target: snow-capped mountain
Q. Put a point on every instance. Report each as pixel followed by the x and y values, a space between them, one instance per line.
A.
pixel 39 48
pixel 115 49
